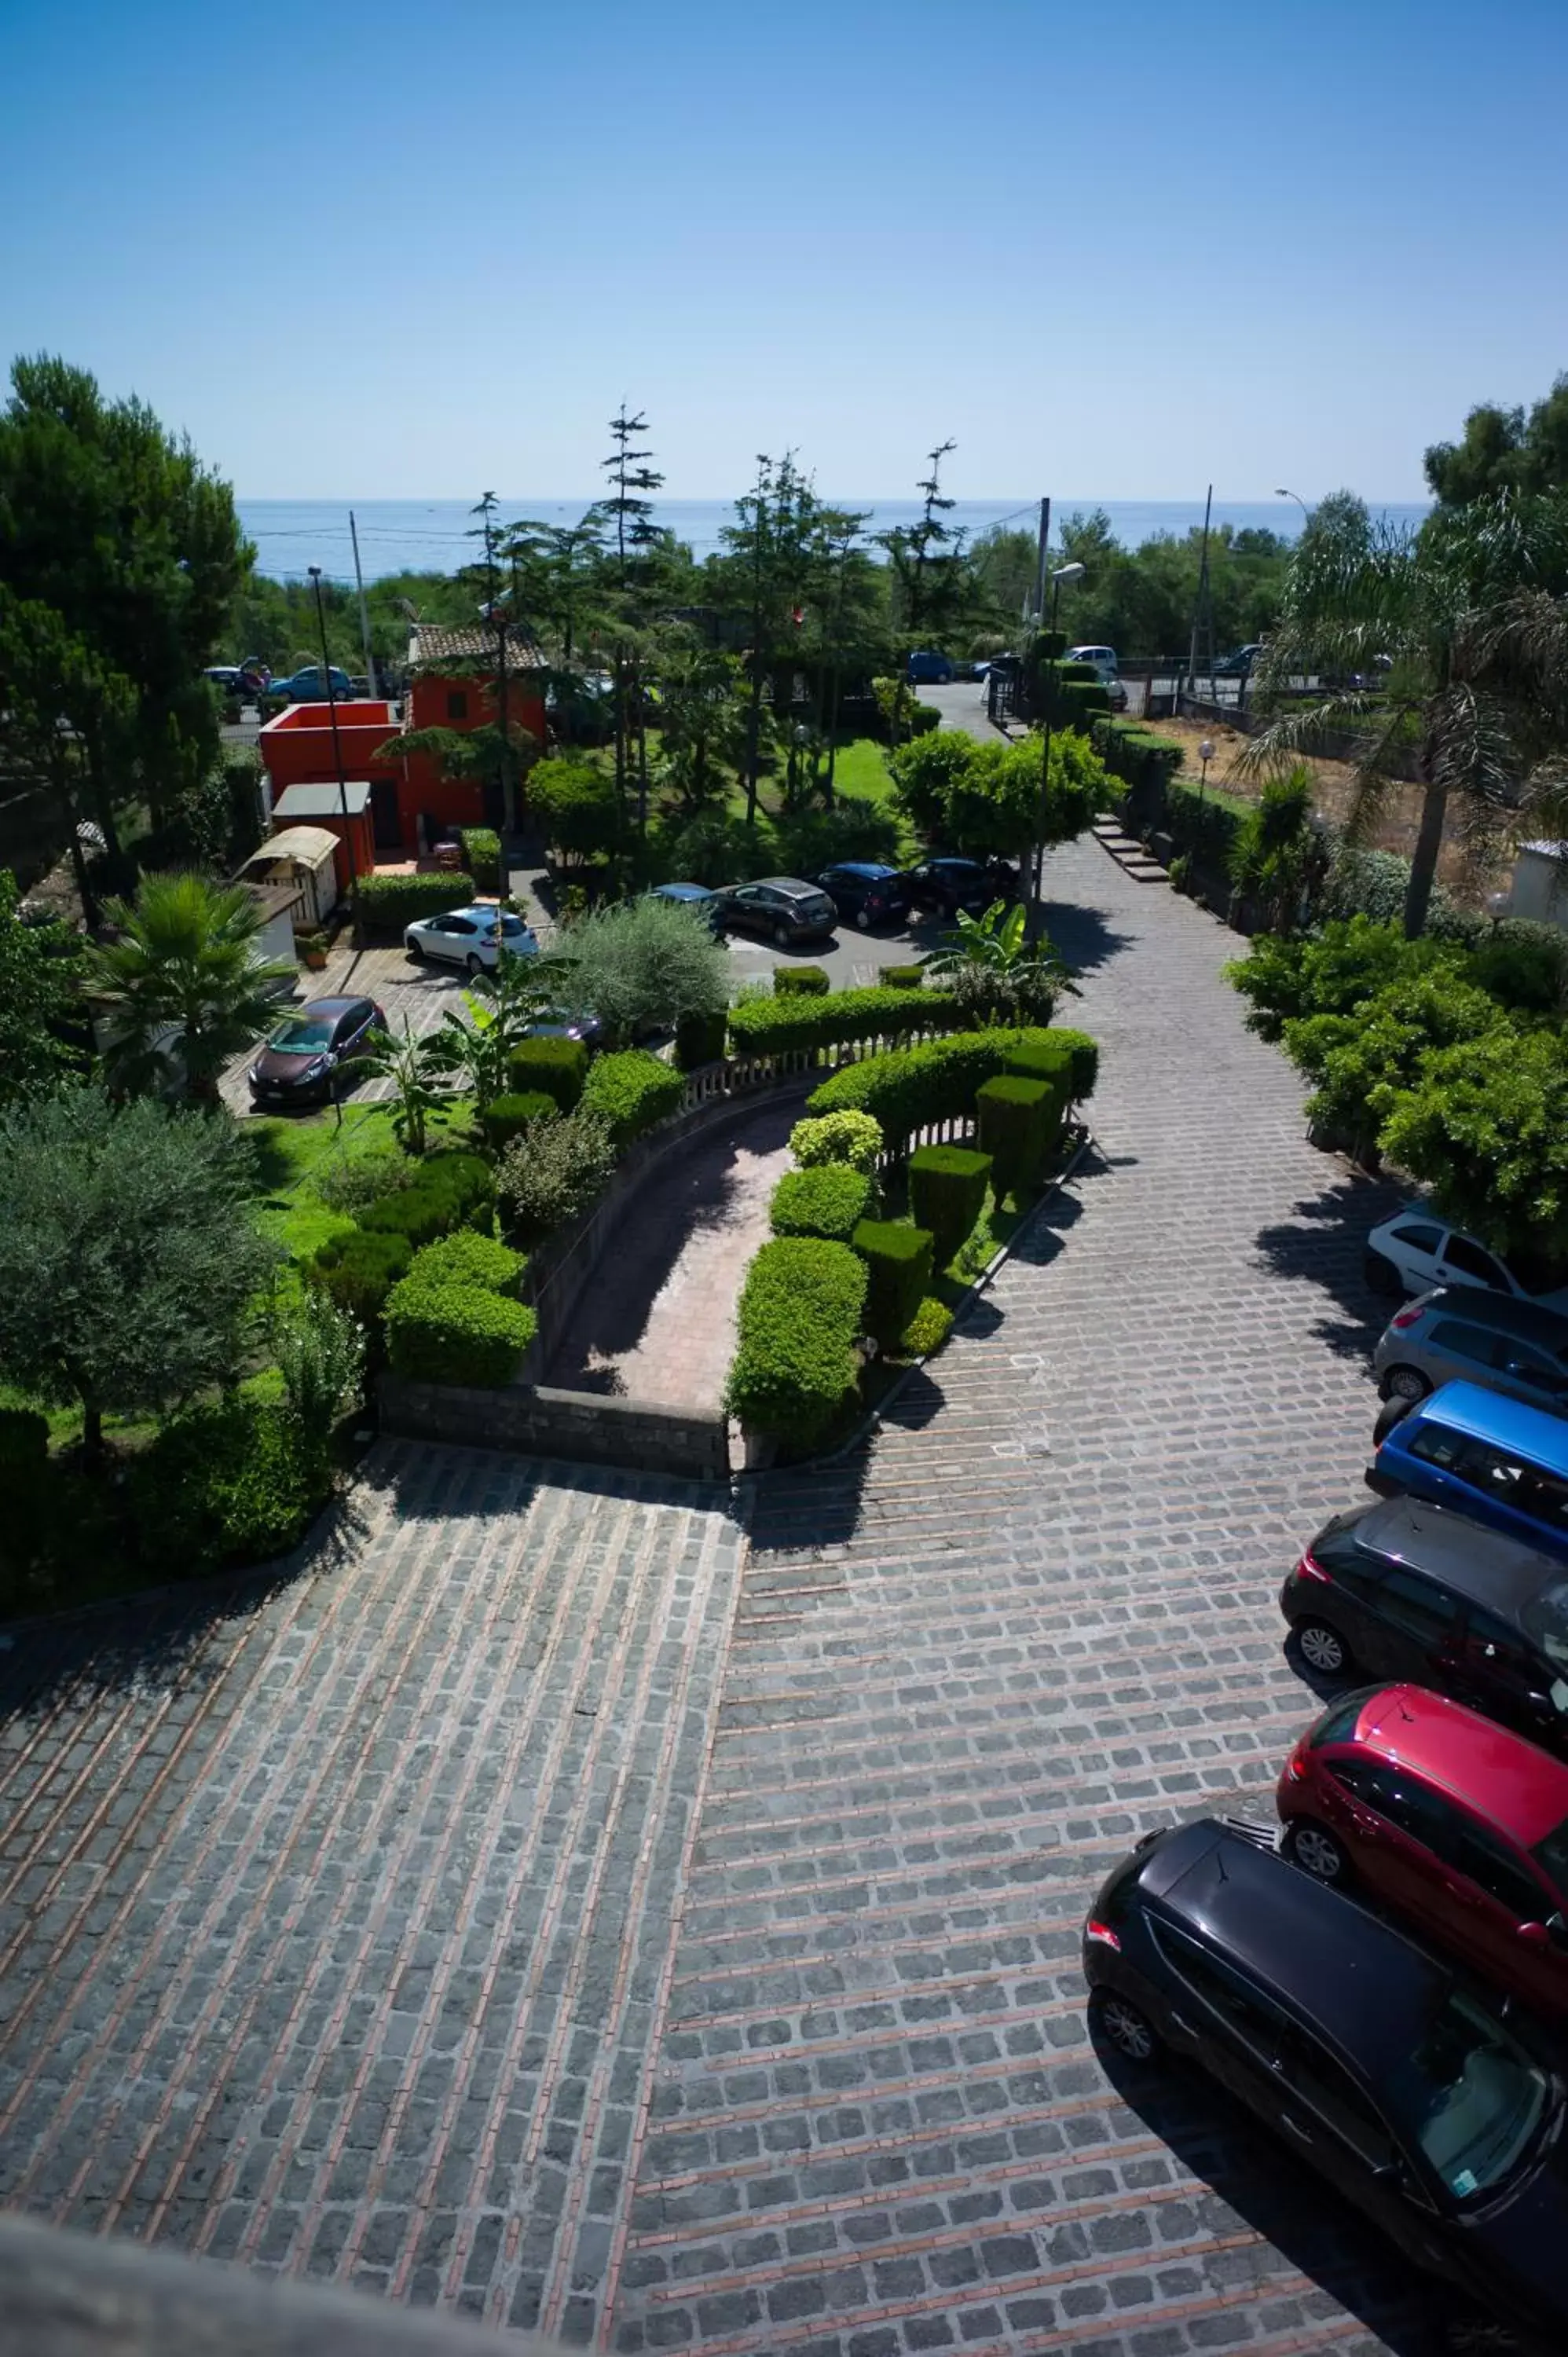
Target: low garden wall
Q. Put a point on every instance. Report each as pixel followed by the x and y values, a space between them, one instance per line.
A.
pixel 584 1428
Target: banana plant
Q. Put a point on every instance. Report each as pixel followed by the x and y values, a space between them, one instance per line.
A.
pixel 500 1006
pixel 997 972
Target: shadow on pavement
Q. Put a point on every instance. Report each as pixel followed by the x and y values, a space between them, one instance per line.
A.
pixel 1322 1245
pixel 1084 936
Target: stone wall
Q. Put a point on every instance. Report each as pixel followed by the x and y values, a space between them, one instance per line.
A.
pixel 584 1428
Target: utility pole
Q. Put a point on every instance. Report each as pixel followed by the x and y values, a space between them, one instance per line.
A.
pixel 1200 603
pixel 349 844
pixel 1040 561
pixel 364 618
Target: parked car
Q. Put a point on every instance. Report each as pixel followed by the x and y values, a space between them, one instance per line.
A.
pixel 865 893
pixel 1493 1458
pixel 1459 1334
pixel 946 886
pixel 309 686
pixel 1238 665
pixel 695 896
pixel 1105 659
pixel 1404 1589
pixel 925 669
pixel 1434 2117
pixel 1416 1249
pixel 562 1023
pixel 780 905
pixel 227 678
pixel 472 937
pixel 1442 1816
pixel 313 1050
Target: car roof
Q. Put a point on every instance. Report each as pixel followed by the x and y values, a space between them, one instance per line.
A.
pixel 795 883
pixel 1506 1778
pixel 1484 1565
pixel 1491 1416
pixel 868 867
pixel 1341 1970
pixel 333 1006
pixel 683 891
pixel 1505 1313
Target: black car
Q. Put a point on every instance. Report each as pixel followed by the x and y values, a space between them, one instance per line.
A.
pixel 947 885
pixel 779 906
pixel 865 893
pixel 1404 1589
pixel 307 1055
pixel 1367 2056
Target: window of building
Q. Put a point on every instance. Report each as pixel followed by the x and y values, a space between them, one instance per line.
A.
pixel 457 703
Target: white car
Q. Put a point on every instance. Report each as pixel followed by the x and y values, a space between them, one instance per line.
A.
pixel 472 937
pixel 1416 1249
pixel 1104 660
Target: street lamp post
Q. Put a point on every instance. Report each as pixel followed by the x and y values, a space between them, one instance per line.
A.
pixel 1281 493
pixel 1063 573
pixel 1205 755
pixel 349 844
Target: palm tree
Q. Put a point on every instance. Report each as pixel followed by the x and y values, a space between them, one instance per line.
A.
pixel 182 989
pixel 1453 644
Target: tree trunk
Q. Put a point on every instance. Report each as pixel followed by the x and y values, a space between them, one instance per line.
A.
pixel 92 1434
pixel 753 738
pixel 1423 866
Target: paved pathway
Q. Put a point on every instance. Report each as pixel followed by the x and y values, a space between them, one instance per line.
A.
pixel 656 1321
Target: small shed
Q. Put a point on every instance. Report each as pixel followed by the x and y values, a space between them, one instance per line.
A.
pixel 300 862
pixel 1540 885
pixel 323 806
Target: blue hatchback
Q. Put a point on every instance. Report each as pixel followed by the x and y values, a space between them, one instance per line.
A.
pixel 1494 1460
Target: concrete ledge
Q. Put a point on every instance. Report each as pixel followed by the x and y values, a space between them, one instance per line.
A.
pixel 585 1427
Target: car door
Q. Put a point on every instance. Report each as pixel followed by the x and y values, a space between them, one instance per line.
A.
pixel 1462 1262
pixel 1413 1246
pixel 1330 2118
pixel 1400 1840
pixel 1221 2018
pixel 354 1030
pixel 1415 1629
pixel 742 908
pixel 1504 1909
pixel 1495 1670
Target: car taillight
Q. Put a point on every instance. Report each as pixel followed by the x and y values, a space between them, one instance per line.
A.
pixel 1293 1768
pixel 1101 1934
pixel 1310 1569
pixel 1405 1318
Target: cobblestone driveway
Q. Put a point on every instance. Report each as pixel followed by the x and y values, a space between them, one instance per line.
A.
pixel 348 1935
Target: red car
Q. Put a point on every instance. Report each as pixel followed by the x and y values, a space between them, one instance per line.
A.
pixel 1448 1819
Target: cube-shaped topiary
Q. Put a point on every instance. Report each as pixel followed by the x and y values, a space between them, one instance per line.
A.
pixel 803 980
pixel 632 1090
pixel 1018 1119
pixel 947 1194
pixel 795 1371
pixel 507 1117
pixel 830 1200
pixel 700 1039
pixel 1071 1057
pixel 898 1265
pixel 558 1067
pixel 482 857
pixel 456 1333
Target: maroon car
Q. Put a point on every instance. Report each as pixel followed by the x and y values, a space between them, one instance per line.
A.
pixel 305 1060
pixel 1448 1820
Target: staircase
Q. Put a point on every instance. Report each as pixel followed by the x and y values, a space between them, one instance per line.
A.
pixel 1128 852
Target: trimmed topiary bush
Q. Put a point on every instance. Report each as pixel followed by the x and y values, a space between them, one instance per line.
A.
pixel 700 1039
pixel 482 857
pixel 358 1271
pixel 1071 1057
pixel 901 977
pixel 853 1137
pixel 509 1116
pixel 796 1369
pixel 947 1194
pixel 452 1191
pixel 928 1329
pixel 1017 1120
pixel 830 1200
pixel 456 1333
pixel 632 1090
pixel 387 903
pixel 232 1482
pixel 556 1067
pixel 771 1026
pixel 898 1265
pixel 464 1258
pixel 908 1088
pixel 800 981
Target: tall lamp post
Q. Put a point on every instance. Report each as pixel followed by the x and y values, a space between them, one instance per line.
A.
pixel 1281 493
pixel 349 845
pixel 1063 573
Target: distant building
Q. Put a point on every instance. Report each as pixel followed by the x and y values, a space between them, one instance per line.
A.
pixel 1540 884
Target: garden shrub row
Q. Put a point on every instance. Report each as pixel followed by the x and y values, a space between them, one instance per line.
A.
pixel 907 1088
pixel 632 1090
pixel 482 858
pixel 947 1195
pixel 800 981
pixel 507 1117
pixel 455 1318
pixel 899 1269
pixel 771 1026
pixel 452 1191
pixel 700 1039
pixel 901 977
pixel 828 1200
pixel 1143 761
pixel 1206 824
pixel 796 1368
pixel 233 1482
pixel 387 903
pixel 557 1067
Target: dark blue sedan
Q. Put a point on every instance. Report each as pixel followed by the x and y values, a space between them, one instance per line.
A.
pixel 865 893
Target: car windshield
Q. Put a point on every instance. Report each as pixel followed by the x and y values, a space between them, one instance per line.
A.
pixel 302 1035
pixel 1469 2098
pixel 1545 1620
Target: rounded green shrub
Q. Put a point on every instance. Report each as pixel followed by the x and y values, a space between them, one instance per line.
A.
pixel 928 1329
pixel 800 982
pixel 947 1194
pixel 464 1258
pixel 795 1371
pixel 899 1269
pixel 558 1067
pixel 830 1200
pixel 358 1270
pixel 235 1483
pixel 456 1333
pixel 632 1090
pixel 507 1117
pixel 854 1139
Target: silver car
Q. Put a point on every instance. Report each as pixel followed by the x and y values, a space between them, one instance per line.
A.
pixel 1458 1333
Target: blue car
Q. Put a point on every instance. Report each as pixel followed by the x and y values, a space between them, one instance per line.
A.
pixel 695 896
pixel 1494 1460
pixel 307 686
pixel 925 667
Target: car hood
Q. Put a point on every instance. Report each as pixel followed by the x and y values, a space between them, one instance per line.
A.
pixel 1523 2241
pixel 285 1063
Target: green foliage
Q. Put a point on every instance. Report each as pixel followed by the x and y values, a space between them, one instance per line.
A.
pixel 701 1038
pixel 451 1332
pixel 901 977
pixel 1018 1121
pixel 38 970
pixel 716 848
pixel 632 1092
pixel 24 1442
pixel 236 1482
pixel 828 1200
pixel 182 989
pixel 553 1172
pixel 1484 1124
pixel 1330 972
pixel 388 903
pixel 947 1194
pixel 482 858
pixel 795 1372
pixel 772 1026
pixel 128 1255
pixel 358 1271
pixel 1206 824
pixel 1145 762
pixel 413 1062
pixel 557 1068
pixel 996 974
pixel 319 1351
pixel 508 1116
pixel 986 796
pixel 926 774
pixel 899 1269
pixel 1360 1060
pixel 641 966
pixel 851 1138
pixel 452 1191
pixel 1523 964
pixel 803 980
pixel 1375 884
pixel 573 803
pixel 908 1088
pixel 1275 851
pixel 928 1329
pixel 856 828
pixel 1071 1059
pixel 466 1258
pixel 1504 450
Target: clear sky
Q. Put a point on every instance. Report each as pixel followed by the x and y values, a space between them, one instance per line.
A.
pixel 382 251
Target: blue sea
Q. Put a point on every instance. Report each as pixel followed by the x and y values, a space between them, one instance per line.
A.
pixel 433 535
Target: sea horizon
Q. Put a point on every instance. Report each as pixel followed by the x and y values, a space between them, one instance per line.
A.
pixel 434 535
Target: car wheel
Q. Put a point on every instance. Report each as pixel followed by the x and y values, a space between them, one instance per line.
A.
pixel 782 936
pixel 1407 1383
pixel 1323 1649
pixel 863 921
pixel 1314 1848
pixel 475 962
pixel 1395 1412
pixel 416 951
pixel 1126 2027
pixel 1382 1276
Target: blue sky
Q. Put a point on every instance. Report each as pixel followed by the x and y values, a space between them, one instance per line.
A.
pixel 394 251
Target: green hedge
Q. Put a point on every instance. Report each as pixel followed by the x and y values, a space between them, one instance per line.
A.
pixel 358 1270
pixel 632 1090
pixel 452 1191
pixel 909 1087
pixel 828 1200
pixel 901 977
pixel 899 1267
pixel 795 1371
pixel 923 720
pixel 803 981
pixel 1018 1121
pixel 507 1117
pixel 1137 756
pixel 700 1039
pixel 456 1333
pixel 928 1329
pixel 558 1067
pixel 1071 1057
pixel 770 1027
pixel 1204 824
pixel 482 857
pixel 947 1194
pixel 465 1258
pixel 234 1483
pixel 387 903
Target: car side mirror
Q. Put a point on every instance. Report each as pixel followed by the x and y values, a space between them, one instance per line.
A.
pixel 1535 1935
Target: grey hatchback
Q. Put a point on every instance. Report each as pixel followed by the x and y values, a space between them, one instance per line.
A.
pixel 1459 1333
pixel 783 907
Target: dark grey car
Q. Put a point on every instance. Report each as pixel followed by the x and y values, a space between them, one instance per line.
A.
pixel 783 907
pixel 1461 1334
